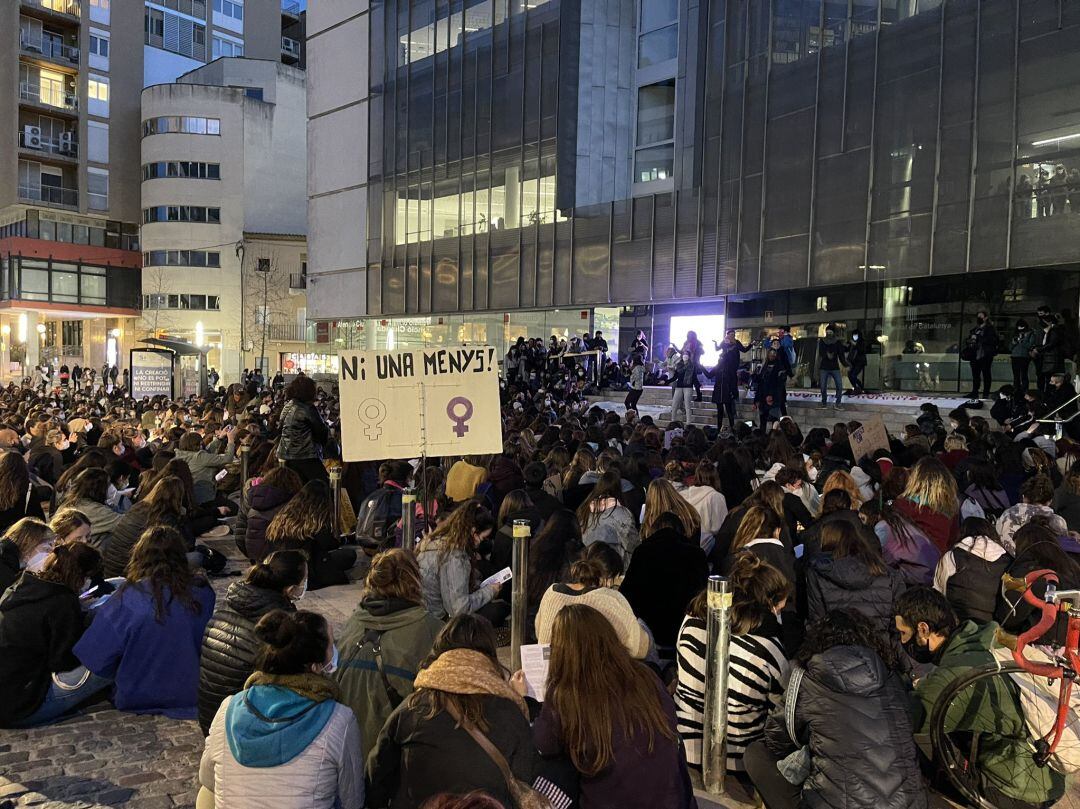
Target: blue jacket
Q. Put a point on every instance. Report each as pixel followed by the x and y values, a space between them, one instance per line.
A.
pixel 155 664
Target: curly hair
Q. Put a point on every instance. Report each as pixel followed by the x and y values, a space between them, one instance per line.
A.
pixel 845 628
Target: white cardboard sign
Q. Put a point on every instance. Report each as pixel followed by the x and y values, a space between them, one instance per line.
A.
pixel 431 401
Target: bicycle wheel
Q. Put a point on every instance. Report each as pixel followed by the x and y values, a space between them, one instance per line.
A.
pixel 969 706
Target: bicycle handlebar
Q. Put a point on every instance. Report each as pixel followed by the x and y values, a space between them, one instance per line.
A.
pixel 1050 609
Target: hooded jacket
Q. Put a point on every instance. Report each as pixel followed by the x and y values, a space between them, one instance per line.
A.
pixel 942 529
pixel 40 621
pixel 229 645
pixel 407 633
pixel 853 713
pixel 1004 757
pixel 847 583
pixel 272 746
pixel 10 564
pixel 969 576
pixel 265 502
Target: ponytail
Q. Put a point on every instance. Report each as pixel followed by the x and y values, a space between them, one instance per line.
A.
pixel 279 570
pixel 292 642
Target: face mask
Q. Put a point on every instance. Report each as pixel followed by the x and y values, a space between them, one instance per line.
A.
pixel 954 424
pixel 303 591
pixel 920 654
pixel 25 440
pixel 36 563
pixel 485 547
pixel 63 445
pixel 854 338
pixel 331 667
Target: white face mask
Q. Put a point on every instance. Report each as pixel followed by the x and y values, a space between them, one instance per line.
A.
pixel 332 666
pixel 63 445
pixel 299 594
pixel 36 563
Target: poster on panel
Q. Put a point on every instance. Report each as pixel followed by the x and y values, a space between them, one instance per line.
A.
pixel 151 373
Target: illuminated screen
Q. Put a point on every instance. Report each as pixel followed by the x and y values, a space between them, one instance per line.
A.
pixel 708 328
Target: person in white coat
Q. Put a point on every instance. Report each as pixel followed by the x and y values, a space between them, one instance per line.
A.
pixel 285 741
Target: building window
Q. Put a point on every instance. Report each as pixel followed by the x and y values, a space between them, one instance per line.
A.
pixel 181 258
pixel 655 130
pixel 227 47
pixel 97 142
pixel 97 189
pixel 99 49
pixel 194 301
pixel 658 13
pixel 186 124
pixel 182 213
pixel 71 332
pixel 254 92
pixel 230 8
pixel 99 11
pixel 184 169
pixel 193 8
pixel 658 46
pixel 97 92
pixel 172 32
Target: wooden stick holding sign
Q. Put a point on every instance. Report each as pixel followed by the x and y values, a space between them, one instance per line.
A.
pixel 868 439
pixel 435 402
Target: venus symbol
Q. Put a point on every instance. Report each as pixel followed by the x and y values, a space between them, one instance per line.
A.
pixel 372 412
pixel 460 427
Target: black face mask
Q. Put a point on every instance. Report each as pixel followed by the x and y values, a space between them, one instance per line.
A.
pixel 920 654
pixel 485 548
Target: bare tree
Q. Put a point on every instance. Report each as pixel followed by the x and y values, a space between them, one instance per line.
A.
pixel 156 283
pixel 266 293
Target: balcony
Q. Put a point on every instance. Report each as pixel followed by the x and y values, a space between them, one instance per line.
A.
pixel 49 49
pixel 66 8
pixel 290 48
pixel 287 333
pixel 48 96
pixel 297 281
pixel 51 195
pixel 289 8
pixel 64 146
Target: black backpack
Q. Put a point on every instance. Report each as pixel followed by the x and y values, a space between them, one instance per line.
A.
pixel 377 518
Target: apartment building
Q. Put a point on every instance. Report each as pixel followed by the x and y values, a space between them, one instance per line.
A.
pixel 71 74
pixel 224 212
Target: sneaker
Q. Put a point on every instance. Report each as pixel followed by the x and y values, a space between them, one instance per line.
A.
pixel 837 407
pixel 216 532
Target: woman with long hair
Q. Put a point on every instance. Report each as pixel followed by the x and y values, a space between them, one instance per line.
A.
pixel 603 517
pixel 303 432
pixel 905 546
pixel 583 461
pixel 384 642
pixel 841 717
pixel 25 546
pixel 662 498
pixel 148 635
pixel 839 479
pixel 305 523
pixel 266 496
pixel 551 553
pixel 769 494
pixel 70 525
pixel 447 566
pixel 849 573
pixel 230 646
pixel 757 663
pixel 517 505
pixel 286 739
pixel 985 491
pixel 930 502
pixel 91 458
pixel 40 621
pixel 623 742
pixel 88 493
pixel 759 534
pixel 705 500
pixel 429 744
pixel 17 498
pixel 163 506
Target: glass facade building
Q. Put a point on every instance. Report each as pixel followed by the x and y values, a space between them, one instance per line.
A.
pixel 903 162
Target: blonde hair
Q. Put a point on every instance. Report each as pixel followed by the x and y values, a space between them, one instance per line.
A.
pixel 931 484
pixel 660 499
pixel 955 441
pixel 29 534
pixel 756 523
pixel 844 481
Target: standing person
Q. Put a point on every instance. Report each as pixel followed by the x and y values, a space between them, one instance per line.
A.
pixel 76 377
pixel 285 740
pixel 831 358
pixel 637 382
pixel 105 375
pixel 856 357
pixel 303 432
pixel 1020 348
pixel 432 742
pixel 685 379
pixel 147 636
pixel 114 373
pixel 1049 354
pixel 65 375
pixel 639 346
pixel 769 390
pixel 624 741
pixel 694 349
pixel 127 380
pixel 726 375
pixel 982 344
pixel 213 377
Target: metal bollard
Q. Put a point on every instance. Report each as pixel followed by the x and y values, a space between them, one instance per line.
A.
pixel 245 450
pixel 281 462
pixel 714 742
pixel 519 566
pixel 408 515
pixel 335 493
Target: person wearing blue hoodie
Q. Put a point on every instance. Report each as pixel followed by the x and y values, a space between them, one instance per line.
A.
pixel 286 741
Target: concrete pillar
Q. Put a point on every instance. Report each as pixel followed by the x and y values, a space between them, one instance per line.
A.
pixel 513 197
pixel 95 332
pixel 33 340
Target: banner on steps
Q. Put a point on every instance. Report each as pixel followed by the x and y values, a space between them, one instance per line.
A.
pixel 412 402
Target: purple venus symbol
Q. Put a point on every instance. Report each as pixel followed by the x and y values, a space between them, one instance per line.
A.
pixel 460 427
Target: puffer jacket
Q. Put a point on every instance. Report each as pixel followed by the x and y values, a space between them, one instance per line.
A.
pixel 126 533
pixel 848 584
pixel 969 576
pixel 406 632
pixel 265 502
pixel 229 644
pixel 280 765
pixel 303 432
pixel 853 713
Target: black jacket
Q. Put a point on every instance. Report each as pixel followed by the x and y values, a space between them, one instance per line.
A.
pixel 543 503
pixel 832 354
pixel 303 432
pixel 322 572
pixel 811 537
pixel 47 463
pixel 415 758
pixel 40 622
pixel 10 564
pixel 1013 611
pixel 853 713
pixel 229 644
pixel 1049 350
pixel 726 373
pixel 126 533
pixel 848 584
pixel 265 501
pixel 666 571
pixel 10 516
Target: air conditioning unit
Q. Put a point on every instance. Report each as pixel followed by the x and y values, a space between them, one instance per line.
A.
pixel 32 137
pixel 67 142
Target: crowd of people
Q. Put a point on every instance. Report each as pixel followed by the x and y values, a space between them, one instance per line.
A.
pixel 861 588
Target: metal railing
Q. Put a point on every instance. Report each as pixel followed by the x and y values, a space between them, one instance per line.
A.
pixel 69 7
pixel 66 147
pixel 288 333
pixel 50 194
pixel 297 280
pixel 50 48
pixel 291 8
pixel 61 100
pixel 290 47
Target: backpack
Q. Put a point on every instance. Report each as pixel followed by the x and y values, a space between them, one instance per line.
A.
pixel 377 518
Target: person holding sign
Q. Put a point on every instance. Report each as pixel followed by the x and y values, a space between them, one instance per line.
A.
pixel 446 567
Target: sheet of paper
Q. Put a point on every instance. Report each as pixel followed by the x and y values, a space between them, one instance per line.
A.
pixel 502 577
pixel 534 662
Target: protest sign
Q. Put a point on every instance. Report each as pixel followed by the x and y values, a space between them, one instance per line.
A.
pixel 151 373
pixel 434 401
pixel 868 439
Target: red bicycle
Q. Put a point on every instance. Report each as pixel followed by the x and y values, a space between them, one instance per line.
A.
pixel 1041 685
